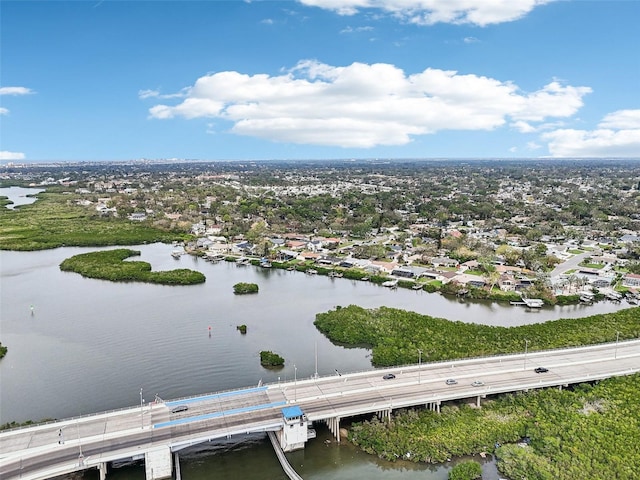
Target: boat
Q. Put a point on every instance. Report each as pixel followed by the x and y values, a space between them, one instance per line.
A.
pixel 530 302
pixel 390 283
pixel 177 253
pixel 586 297
pixel 311 271
pixel 417 286
pixel 243 261
pixel 613 296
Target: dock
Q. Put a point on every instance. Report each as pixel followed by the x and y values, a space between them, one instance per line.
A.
pixel 530 302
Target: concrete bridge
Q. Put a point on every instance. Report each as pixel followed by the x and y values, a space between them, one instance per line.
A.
pixel 156 431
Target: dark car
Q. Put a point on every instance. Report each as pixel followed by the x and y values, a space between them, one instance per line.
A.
pixel 179 408
pixel 540 370
pixel 451 381
pixel 389 376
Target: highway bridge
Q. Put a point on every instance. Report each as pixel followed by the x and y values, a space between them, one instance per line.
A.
pixel 156 431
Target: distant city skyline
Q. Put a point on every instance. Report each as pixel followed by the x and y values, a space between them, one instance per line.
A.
pixel 107 80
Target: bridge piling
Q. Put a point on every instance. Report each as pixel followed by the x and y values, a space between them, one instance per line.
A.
pixel 334 427
pixel 176 461
pixel 102 469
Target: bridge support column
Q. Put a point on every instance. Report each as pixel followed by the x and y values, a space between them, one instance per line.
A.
pixel 384 414
pixel 478 401
pixel 334 427
pixel 176 461
pixel 157 463
pixel 102 469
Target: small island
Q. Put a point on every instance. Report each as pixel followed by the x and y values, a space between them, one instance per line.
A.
pixel 270 359
pixel 244 288
pixel 110 265
pixel 3 350
pixel 242 328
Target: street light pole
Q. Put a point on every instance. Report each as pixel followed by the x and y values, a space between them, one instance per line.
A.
pixel 419 363
pixel 316 373
pixel 526 345
pixel 141 411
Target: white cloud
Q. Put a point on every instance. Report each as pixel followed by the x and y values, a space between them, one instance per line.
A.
pixel 363 105
pixel 618 135
pixel 470 40
pixel 523 127
pixel 622 119
pixel 143 94
pixel 4 111
pixel 429 12
pixel 15 91
pixel 5 155
pixel 350 29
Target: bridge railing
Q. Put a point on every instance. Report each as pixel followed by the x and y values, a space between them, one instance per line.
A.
pixel 424 363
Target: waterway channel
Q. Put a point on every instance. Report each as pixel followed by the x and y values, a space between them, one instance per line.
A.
pixel 78 346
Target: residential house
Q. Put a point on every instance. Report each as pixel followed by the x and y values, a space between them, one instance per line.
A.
pixel 631 280
pixel 444 262
pixel 507 282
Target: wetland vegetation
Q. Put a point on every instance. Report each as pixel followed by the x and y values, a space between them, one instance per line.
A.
pixel 111 265
pixel 588 431
pixel 55 221
pixel 395 336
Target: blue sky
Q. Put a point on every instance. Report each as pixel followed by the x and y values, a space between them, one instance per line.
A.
pixel 318 79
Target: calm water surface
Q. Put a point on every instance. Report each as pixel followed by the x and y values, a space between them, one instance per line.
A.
pixel 78 346
pixel 19 195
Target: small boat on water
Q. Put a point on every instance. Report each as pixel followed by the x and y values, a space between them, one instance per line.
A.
pixel 390 284
pixel 613 296
pixel 177 253
pixel 214 257
pixel 311 271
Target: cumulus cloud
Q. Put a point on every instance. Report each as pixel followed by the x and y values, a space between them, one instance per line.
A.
pixel 429 12
pixel 5 155
pixel 15 91
pixel 622 119
pixel 4 111
pixel 362 105
pixel 618 135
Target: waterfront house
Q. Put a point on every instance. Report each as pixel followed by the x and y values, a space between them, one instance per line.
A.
pixel 631 280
